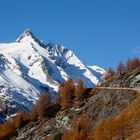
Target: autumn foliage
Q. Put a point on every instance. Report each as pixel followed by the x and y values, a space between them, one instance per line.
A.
pixel 120 69
pixel 130 65
pixel 80 130
pixel 39 109
pixel 9 129
pixel 44 108
pixel 109 74
pixel 69 91
pixel 66 93
pixel 80 90
pixel 123 126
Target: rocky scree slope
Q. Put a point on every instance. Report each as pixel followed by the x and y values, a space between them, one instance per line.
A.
pixel 28 67
pixel 130 79
pixel 98 106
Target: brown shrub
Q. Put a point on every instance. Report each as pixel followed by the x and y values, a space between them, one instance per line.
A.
pixel 128 65
pixel 21 119
pixel 66 93
pixel 80 129
pixel 135 135
pixel 39 109
pixel 80 90
pixel 132 64
pixel 7 129
pixel 109 74
pixel 120 68
pixel 135 62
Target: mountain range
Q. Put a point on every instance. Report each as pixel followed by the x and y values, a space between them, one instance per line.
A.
pixel 29 67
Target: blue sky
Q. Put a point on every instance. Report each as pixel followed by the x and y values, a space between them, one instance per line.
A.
pixel 100 32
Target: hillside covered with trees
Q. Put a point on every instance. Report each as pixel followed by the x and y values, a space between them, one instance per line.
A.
pixel 81 113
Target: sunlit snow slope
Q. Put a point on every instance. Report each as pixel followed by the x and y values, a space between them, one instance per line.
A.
pixel 29 67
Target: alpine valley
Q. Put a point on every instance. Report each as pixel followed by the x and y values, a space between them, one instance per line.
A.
pixel 28 67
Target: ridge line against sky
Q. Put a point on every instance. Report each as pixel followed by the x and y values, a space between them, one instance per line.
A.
pixel 99 32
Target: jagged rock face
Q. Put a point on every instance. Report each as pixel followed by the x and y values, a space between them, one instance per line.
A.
pixel 99 106
pixel 130 80
pixel 29 67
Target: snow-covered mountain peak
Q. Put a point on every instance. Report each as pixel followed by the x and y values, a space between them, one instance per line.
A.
pixel 28 67
pixel 26 36
pixel 28 32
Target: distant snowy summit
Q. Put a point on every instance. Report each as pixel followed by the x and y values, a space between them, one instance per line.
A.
pixel 29 67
